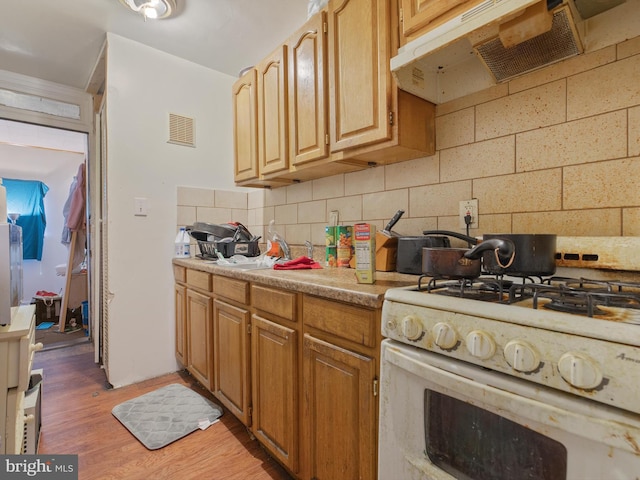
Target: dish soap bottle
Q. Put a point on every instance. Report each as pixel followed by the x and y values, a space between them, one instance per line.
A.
pixel 183 246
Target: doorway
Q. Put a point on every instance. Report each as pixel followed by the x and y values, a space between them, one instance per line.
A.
pixel 53 157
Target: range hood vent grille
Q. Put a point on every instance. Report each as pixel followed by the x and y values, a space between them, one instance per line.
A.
pixel 559 43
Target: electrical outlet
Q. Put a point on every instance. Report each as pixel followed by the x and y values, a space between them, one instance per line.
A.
pixel 469 207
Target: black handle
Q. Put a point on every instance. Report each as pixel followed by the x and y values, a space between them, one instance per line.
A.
pixel 505 248
pixel 394 220
pixel 448 233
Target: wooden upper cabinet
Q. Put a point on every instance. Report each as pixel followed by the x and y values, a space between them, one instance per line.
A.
pixel 359 56
pixel 308 108
pixel 420 16
pixel 273 145
pixel 245 136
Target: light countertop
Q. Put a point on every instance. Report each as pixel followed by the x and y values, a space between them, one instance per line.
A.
pixel 334 283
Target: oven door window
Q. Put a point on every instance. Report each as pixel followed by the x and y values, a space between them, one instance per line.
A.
pixel 474 444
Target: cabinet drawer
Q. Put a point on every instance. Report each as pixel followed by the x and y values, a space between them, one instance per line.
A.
pixel 201 280
pixel 232 289
pixel 349 322
pixel 272 300
pixel 179 274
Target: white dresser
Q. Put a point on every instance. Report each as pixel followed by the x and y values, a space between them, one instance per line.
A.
pixel 17 347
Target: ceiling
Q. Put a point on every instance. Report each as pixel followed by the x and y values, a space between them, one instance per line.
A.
pixel 60 40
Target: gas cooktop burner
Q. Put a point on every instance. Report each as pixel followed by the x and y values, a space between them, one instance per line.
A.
pixel 570 295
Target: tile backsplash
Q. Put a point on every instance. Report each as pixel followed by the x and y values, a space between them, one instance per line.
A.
pixel 555 151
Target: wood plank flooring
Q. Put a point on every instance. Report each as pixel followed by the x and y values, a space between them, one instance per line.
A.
pixel 77 419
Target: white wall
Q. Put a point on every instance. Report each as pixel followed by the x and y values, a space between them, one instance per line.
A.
pixel 143 86
pixel 56 169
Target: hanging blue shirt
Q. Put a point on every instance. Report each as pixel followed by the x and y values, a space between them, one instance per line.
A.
pixel 26 197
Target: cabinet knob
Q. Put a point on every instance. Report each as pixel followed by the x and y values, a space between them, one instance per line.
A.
pixel 36 347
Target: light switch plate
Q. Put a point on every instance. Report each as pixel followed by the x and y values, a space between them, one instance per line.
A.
pixel 140 208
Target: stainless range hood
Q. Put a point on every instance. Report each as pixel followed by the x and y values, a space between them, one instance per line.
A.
pixel 468 53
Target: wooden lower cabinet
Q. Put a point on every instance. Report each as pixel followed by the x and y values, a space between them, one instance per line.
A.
pixel 274 365
pixel 232 383
pixel 181 318
pixel 199 337
pixel 299 370
pixel 339 412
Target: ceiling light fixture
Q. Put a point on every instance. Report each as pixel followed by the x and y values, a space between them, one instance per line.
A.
pixel 155 9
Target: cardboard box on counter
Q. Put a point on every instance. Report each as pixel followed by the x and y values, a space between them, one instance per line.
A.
pixel 364 241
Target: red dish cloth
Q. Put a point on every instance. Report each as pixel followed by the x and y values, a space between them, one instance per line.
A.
pixel 300 263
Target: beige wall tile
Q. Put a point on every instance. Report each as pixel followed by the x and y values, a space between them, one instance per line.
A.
pixel 330 187
pixel 384 205
pixel 317 234
pixel 421 171
pixel 415 226
pixel 213 215
pixel 438 200
pixel 535 108
pixel 364 181
pixel 492 93
pixel 591 139
pixel 631 222
pixel 480 159
pixel 492 223
pixel 255 198
pixel 275 196
pixel 230 199
pixel 312 212
pixel 575 65
pixel 299 192
pixel 196 197
pixel 628 48
pixel 604 89
pixel 602 184
pixel 349 208
pixel 240 215
pixel 186 216
pixel 634 131
pixel 286 214
pixel 297 234
pixel 525 192
pixel 570 223
pixel 457 128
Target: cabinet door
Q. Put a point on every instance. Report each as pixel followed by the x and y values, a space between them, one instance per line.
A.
pixel 273 149
pixel 274 363
pixel 245 130
pixel 339 412
pixel 199 337
pixel 360 79
pixel 181 313
pixel 231 358
pixel 308 107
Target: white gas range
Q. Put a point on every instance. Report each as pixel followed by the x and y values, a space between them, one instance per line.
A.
pixel 466 375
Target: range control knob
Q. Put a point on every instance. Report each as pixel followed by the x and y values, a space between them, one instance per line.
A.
pixel 480 344
pixel 521 356
pixel 579 370
pixel 444 335
pixel 411 328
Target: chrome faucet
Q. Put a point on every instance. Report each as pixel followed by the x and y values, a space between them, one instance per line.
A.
pixel 284 246
pixel 309 246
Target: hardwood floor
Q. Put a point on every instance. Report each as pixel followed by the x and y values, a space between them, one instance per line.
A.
pixel 77 419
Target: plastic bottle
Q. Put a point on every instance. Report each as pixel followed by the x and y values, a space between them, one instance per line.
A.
pixel 183 247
